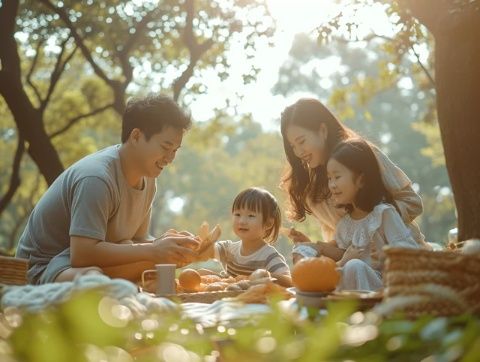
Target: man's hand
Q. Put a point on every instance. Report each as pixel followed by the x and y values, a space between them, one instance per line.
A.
pixel 207 253
pixel 176 248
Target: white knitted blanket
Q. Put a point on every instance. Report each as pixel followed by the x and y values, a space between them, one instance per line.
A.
pixel 37 297
pixel 34 298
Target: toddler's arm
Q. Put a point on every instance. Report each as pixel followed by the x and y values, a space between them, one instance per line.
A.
pixel 283 279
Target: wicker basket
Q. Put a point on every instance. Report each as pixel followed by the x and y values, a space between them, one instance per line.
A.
pixel 13 271
pixel 440 283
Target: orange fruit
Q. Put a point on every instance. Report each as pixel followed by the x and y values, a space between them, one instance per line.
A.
pixel 315 274
pixel 190 280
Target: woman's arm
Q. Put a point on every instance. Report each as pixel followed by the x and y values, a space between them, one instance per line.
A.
pixel 409 203
pixel 395 231
pixel 400 186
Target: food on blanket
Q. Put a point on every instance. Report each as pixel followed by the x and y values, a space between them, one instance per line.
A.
pixel 259 274
pixel 190 280
pixel 244 284
pixel 217 286
pixel 207 237
pixel 261 292
pixel 234 287
pixel 315 274
pixel 212 278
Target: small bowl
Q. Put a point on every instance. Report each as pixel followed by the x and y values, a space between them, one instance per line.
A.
pixel 310 299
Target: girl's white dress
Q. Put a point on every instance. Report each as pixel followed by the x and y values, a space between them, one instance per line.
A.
pixel 397 183
pixel 382 227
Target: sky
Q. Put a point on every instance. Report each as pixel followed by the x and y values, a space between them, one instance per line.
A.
pixel 292 17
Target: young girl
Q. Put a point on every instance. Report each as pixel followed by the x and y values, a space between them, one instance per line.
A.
pixel 256 221
pixel 310 132
pixel 371 221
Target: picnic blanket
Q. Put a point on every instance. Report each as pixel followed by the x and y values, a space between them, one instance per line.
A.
pixel 34 298
pixel 223 311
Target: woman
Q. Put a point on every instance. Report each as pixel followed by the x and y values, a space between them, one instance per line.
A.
pixel 310 132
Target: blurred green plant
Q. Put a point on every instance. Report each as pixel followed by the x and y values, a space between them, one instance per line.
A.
pixel 90 327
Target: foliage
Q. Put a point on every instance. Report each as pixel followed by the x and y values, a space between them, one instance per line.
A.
pixel 79 61
pixel 90 327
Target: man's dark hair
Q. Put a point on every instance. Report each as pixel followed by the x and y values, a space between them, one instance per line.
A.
pixel 151 113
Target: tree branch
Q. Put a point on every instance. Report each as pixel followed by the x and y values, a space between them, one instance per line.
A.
pixel 195 49
pixel 78 118
pixel 32 68
pixel 9 57
pixel 425 70
pixel 56 73
pixel 15 177
pixel 78 40
pixel 132 40
pixel 427 12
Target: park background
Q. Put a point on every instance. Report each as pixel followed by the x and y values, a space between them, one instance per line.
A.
pixel 235 65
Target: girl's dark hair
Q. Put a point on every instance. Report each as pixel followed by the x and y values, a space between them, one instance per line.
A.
pixel 260 200
pixel 299 181
pixel 151 113
pixel 357 155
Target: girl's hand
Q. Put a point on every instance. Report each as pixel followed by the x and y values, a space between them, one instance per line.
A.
pixel 352 252
pixel 295 235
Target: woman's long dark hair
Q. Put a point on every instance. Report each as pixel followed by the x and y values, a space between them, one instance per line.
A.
pixel 300 182
pixel 357 155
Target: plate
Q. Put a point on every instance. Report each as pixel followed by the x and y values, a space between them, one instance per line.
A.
pixel 357 294
pixel 309 299
pixel 294 290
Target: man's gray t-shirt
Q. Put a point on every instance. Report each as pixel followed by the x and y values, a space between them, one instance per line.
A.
pixel 89 199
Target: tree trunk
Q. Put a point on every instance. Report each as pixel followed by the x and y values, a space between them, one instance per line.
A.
pixel 28 119
pixel 457 69
pixel 30 125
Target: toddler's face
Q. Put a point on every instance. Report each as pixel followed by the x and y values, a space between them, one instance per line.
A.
pixel 248 224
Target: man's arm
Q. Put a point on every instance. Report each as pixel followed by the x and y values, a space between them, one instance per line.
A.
pixel 168 249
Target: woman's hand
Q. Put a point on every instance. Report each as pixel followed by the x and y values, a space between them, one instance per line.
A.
pixel 295 235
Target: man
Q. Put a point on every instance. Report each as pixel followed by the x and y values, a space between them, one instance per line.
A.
pixel 95 216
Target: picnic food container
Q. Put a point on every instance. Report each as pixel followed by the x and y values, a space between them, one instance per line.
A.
pixel 310 299
pixel 440 283
pixel 13 271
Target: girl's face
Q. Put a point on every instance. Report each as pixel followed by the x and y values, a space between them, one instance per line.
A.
pixel 309 146
pixel 342 182
pixel 248 224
